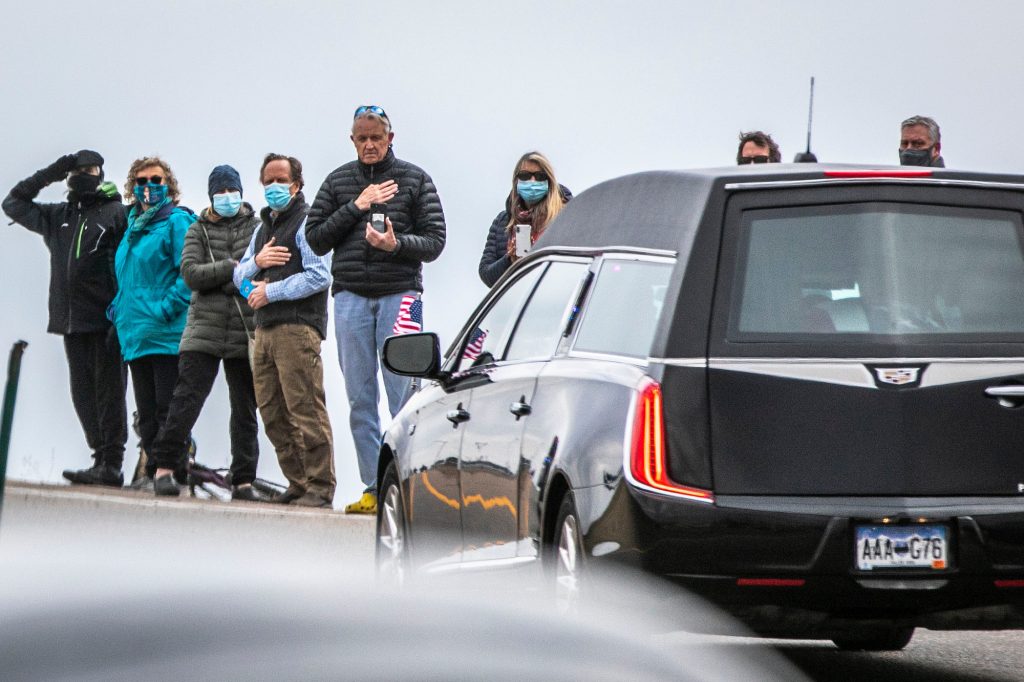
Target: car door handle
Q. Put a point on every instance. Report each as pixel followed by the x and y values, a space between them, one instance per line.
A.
pixel 1006 396
pixel 457 416
pixel 520 408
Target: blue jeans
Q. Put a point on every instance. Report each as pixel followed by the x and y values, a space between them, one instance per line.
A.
pixel 361 324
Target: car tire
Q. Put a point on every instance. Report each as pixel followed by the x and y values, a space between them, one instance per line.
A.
pixel 392 550
pixel 565 559
pixel 875 639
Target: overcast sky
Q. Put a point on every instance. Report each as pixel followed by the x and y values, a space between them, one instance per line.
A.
pixel 602 88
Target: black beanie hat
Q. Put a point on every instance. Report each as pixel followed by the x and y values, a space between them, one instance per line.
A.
pixel 222 178
pixel 88 157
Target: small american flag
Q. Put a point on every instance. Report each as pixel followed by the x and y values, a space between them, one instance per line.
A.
pixel 410 316
pixel 476 344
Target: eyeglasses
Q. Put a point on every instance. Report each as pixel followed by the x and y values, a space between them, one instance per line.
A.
pixel 154 179
pixel 539 176
pixel 761 158
pixel 370 108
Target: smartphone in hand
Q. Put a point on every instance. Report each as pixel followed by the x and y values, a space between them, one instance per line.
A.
pixel 522 240
pixel 246 288
pixel 377 214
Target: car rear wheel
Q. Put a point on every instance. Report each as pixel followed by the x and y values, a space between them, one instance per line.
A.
pixel 875 639
pixel 392 549
pixel 566 557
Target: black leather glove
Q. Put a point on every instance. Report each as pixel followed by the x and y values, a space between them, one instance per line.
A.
pixel 59 169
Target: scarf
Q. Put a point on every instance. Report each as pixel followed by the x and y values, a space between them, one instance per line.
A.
pixel 142 219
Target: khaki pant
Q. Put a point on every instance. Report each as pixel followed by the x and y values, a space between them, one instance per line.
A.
pixel 289 380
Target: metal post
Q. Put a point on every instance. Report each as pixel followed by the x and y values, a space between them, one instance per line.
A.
pixel 10 395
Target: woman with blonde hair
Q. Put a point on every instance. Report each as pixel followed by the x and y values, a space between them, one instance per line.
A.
pixel 151 304
pixel 531 202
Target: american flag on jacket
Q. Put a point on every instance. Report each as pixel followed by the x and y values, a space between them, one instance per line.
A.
pixel 410 316
pixel 476 344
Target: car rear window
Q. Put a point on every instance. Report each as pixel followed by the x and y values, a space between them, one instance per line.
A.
pixel 879 268
pixel 624 308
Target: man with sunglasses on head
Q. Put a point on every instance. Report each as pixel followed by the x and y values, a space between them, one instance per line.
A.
pixel 82 235
pixel 757 147
pixel 377 271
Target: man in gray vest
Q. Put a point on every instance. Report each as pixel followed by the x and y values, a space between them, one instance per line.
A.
pixel 286 285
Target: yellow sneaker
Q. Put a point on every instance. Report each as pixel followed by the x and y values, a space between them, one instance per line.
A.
pixel 367 504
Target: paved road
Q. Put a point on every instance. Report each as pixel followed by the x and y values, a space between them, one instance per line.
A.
pixel 41 517
pixel 55 515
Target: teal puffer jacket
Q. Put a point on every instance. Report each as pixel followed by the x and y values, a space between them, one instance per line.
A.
pixel 151 305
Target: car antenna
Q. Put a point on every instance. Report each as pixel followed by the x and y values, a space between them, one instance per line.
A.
pixel 808 156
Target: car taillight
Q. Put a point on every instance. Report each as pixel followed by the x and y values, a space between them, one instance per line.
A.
pixel 880 173
pixel 647 461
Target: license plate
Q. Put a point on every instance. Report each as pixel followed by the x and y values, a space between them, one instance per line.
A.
pixel 889 547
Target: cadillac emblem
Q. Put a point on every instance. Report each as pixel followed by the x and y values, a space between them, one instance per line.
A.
pixel 897 376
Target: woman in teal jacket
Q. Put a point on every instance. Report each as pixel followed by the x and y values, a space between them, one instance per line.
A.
pixel 151 305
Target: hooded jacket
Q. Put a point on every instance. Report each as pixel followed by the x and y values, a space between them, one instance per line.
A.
pixel 151 305
pixel 219 318
pixel 416 216
pixel 82 235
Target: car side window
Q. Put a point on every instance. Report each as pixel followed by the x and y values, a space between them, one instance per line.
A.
pixel 624 308
pixel 541 324
pixel 487 340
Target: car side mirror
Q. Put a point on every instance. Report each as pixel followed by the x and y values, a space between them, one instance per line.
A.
pixel 413 355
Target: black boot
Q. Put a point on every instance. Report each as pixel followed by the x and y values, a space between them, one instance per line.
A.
pixel 100 474
pixel 165 486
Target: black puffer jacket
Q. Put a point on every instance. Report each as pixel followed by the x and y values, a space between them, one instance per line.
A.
pixel 82 235
pixel 494 261
pixel 214 325
pixel 415 213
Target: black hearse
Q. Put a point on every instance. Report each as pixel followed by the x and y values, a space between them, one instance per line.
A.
pixel 795 389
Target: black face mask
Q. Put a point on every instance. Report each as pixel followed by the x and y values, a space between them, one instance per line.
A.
pixel 83 183
pixel 916 157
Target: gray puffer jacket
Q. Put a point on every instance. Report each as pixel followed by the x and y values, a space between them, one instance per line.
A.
pixel 214 325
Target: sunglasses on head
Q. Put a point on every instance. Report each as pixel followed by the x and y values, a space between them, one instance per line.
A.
pixel 370 108
pixel 153 179
pixel 753 159
pixel 539 176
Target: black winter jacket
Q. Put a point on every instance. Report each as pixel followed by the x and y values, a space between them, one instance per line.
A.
pixel 215 314
pixel 494 261
pixel 82 235
pixel 415 213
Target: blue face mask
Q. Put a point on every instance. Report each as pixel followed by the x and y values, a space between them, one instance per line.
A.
pixel 157 193
pixel 227 204
pixel 531 191
pixel 277 195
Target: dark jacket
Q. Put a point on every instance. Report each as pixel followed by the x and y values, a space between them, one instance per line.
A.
pixel 494 261
pixel 284 228
pixel 415 213
pixel 215 314
pixel 82 235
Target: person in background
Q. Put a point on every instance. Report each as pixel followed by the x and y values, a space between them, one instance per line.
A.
pixel 82 235
pixel 289 294
pixel 378 273
pixel 218 329
pixel 151 305
pixel 757 147
pixel 530 202
pixel 921 142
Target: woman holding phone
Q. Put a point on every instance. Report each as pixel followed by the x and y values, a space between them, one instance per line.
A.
pixel 151 304
pixel 530 203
